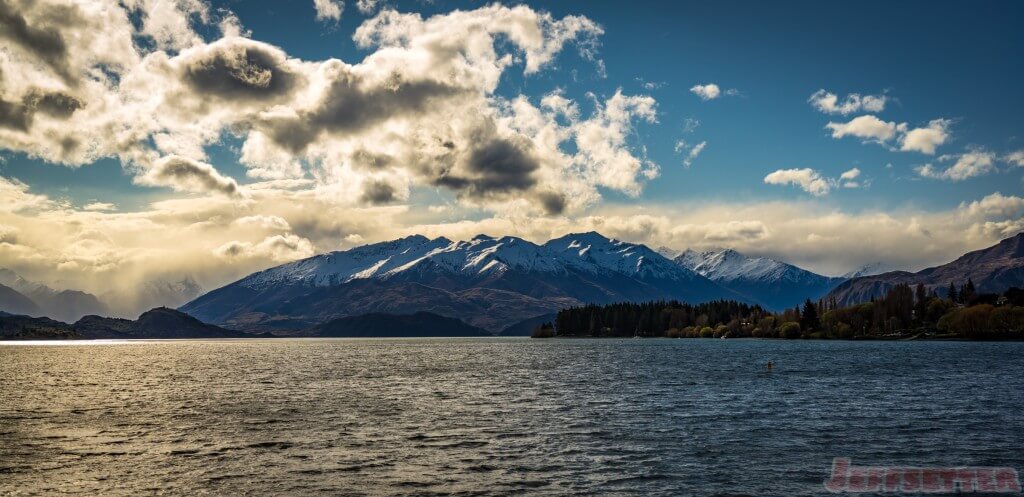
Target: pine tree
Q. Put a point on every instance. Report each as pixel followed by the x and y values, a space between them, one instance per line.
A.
pixel 951 293
pixel 809 319
pixel 921 304
pixel 968 293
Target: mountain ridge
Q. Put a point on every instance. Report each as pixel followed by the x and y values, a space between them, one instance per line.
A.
pixel 487 281
pixel 993 269
pixel 775 284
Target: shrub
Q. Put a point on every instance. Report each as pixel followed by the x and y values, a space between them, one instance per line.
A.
pixel 789 330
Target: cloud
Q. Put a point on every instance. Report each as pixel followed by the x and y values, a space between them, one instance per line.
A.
pixel 926 139
pixel 1015 158
pixel 367 6
pixel 849 178
pixel 706 92
pixel 277 248
pixel 187 175
pixel 263 222
pixel 867 127
pixel 994 205
pixel 975 162
pixel 691 155
pixel 99 207
pixel 329 10
pixel 420 110
pixel 807 179
pixel 829 103
pixel 872 129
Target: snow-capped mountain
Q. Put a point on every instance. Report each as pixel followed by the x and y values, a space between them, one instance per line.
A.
pixel 487 281
pixel 772 283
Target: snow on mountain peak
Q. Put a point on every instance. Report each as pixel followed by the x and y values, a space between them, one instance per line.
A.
pixel 729 265
pixel 481 256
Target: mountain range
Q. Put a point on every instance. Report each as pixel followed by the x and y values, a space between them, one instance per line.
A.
pixel 64 305
pixel 488 282
pixel 993 270
pixel 429 287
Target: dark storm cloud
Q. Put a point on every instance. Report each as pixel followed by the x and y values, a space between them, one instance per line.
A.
pixel 499 166
pixel 553 203
pixel 240 70
pixel 378 193
pixel 20 115
pixel 45 42
pixel 56 104
pixel 14 115
pixel 347 107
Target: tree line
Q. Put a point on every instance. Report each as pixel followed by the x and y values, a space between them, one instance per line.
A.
pixel 904 311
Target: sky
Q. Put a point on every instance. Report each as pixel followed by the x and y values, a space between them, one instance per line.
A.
pixel 149 140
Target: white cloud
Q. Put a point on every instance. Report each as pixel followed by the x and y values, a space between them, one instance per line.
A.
pixel 870 128
pixel 367 6
pixel 926 139
pixel 996 204
pixel 691 152
pixel 265 222
pixel 849 178
pixel 1015 158
pixel 99 206
pixel 866 127
pixel 807 179
pixel 975 162
pixel 829 103
pixel 709 91
pixel 328 10
pixel 712 91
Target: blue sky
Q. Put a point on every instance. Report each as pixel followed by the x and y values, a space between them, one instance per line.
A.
pixel 152 151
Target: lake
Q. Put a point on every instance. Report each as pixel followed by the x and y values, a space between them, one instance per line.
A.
pixel 496 416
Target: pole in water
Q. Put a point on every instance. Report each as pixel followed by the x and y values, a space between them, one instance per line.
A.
pixel 770 365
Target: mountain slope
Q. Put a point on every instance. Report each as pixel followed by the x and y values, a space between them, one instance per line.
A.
pixel 14 302
pixel 525 327
pixel 488 282
pixel 63 305
pixel 993 270
pixel 774 284
pixel 13 327
pixel 420 324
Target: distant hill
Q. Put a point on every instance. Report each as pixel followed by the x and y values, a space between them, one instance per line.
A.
pixel 14 302
pixel 487 282
pixel 420 324
pixel 774 284
pixel 157 323
pixel 993 270
pixel 13 327
pixel 525 327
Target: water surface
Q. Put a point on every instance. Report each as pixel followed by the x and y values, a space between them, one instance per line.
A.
pixel 495 416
